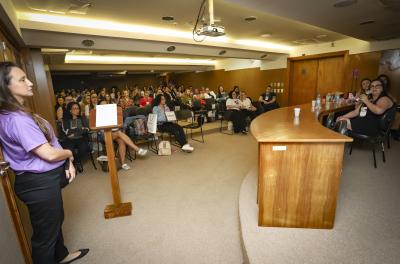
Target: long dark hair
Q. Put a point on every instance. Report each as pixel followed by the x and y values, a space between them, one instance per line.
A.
pixel 8 103
pixel 157 100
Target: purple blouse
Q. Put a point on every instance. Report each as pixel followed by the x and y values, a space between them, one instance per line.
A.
pixel 19 135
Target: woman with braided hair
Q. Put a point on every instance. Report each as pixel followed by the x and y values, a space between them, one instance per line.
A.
pixel 41 165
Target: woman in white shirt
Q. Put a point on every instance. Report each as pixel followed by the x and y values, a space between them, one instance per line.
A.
pixel 238 118
pixel 247 106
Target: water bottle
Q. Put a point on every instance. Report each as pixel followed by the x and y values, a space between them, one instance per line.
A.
pixel 318 101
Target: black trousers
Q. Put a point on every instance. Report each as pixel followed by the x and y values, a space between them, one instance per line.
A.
pixel 175 130
pixel 41 192
pixel 78 146
pixel 238 119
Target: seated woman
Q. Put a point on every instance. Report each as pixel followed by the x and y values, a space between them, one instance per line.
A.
pixel 238 118
pixel 74 129
pixel 124 140
pixel 364 87
pixel 268 100
pixel 247 106
pixel 60 107
pixel 159 109
pixel 364 119
pixel 145 100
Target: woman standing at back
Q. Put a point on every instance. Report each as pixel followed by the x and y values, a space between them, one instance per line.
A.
pixel 41 166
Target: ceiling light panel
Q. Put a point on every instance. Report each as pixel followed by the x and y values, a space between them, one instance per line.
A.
pixel 93 59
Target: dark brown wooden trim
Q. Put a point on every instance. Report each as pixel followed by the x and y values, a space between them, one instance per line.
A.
pixel 16 219
pixel 15 216
pixel 320 56
pixel 9 30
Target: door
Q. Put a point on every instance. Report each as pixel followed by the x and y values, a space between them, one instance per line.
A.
pixel 303 81
pixel 330 75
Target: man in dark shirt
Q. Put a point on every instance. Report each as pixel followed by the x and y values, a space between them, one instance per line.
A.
pixel 268 100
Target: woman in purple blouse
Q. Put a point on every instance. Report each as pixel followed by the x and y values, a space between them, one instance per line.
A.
pixel 41 165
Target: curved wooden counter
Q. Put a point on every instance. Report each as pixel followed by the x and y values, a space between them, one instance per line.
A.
pixel 280 125
pixel 300 163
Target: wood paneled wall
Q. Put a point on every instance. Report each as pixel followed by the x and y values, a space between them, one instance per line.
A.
pixel 253 81
pixel 93 82
pixel 363 65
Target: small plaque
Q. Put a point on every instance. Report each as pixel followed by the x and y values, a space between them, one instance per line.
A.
pixel 279 148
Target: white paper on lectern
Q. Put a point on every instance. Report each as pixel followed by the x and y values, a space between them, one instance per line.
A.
pixel 106 115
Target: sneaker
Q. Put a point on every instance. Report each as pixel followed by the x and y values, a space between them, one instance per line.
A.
pixel 125 166
pixel 187 148
pixel 142 152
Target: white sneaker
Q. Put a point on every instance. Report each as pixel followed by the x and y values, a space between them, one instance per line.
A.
pixel 125 166
pixel 187 148
pixel 142 152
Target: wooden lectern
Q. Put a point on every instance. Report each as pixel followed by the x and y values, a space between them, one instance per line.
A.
pixel 117 209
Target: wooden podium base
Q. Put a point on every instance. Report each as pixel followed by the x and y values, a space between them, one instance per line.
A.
pixel 117 210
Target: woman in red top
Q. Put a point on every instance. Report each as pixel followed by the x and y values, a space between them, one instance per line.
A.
pixel 145 100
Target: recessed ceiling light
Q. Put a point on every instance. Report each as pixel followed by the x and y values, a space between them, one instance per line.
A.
pixel 321 36
pixel 264 56
pixel 222 52
pixel 87 42
pixel 344 3
pixel 167 18
pixel 265 35
pixel 171 48
pixel 367 22
pixel 250 18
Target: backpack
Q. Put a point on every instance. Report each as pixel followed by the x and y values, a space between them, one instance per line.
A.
pixel 138 127
pixel 164 148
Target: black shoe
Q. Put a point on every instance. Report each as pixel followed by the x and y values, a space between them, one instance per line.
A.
pixel 83 252
pixel 244 132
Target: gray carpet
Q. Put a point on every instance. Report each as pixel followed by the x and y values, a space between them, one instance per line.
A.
pixel 367 226
pixel 185 206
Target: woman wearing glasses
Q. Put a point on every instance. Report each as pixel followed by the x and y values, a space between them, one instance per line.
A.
pixel 364 119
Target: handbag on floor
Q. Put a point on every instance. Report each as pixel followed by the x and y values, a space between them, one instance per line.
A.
pixel 164 148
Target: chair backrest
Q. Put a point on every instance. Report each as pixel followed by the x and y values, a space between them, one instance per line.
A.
pixel 130 111
pixel 387 119
pixel 329 122
pixel 144 110
pixel 183 114
pixel 209 103
pixel 222 106
pixel 196 105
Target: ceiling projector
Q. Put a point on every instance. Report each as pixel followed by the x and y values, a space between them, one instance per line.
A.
pixel 211 31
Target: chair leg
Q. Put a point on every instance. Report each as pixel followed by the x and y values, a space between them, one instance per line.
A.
pixel 388 140
pixel 351 148
pixel 383 151
pixel 92 159
pixel 373 153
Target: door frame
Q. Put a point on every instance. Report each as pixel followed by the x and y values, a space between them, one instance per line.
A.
pixel 291 60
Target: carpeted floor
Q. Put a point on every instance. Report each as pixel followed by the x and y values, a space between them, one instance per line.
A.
pixel 367 225
pixel 185 206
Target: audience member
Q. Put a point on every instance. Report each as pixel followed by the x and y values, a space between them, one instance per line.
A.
pixel 268 100
pixel 365 118
pixel 238 118
pixel 164 126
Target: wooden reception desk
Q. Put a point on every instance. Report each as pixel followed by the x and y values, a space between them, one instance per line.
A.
pixel 300 164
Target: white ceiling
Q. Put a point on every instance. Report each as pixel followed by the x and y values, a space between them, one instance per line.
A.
pixel 149 12
pixel 345 20
pixel 288 22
